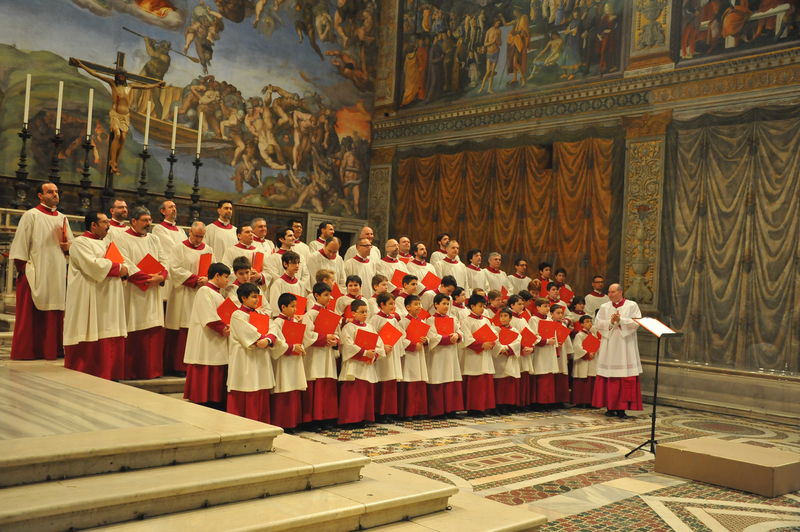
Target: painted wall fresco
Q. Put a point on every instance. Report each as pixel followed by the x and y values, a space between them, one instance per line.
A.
pixel 722 27
pixel 455 49
pixel 285 87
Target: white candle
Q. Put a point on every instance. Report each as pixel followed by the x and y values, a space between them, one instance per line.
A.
pixel 27 99
pixel 58 109
pixel 147 125
pixel 174 127
pixel 199 134
pixel 89 117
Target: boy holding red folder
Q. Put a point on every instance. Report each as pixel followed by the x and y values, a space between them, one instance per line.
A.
pixel 507 374
pixel 389 368
pixel 286 404
pixel 445 393
pixel 320 400
pixel 413 396
pixel 289 282
pixel 361 345
pixel 478 368
pixel 545 359
pixel 584 366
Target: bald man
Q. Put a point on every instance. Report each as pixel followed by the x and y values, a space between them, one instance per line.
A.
pixel 375 253
pixel 617 385
pixel 390 263
pixel 327 258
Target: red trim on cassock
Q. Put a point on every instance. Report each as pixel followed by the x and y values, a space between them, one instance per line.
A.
pixel 205 384
pixel 104 358
pixel 356 402
pixel 171 227
pixel 217 326
pixel 252 405
pixel 479 392
pixel 38 334
pixel 46 210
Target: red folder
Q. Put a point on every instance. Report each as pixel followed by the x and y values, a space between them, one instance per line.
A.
pixel 423 314
pixel 547 329
pixel 326 322
pixel 416 330
pixel 366 340
pixel 258 261
pixel 64 229
pixel 504 293
pixel 484 334
pixel 431 281
pixel 293 332
pixel 302 303
pixel 150 265
pixel 525 315
pixel 566 294
pixel 397 278
pixel 528 338
pixel 225 310
pixel 260 301
pixel 496 319
pixel 335 292
pixel 331 305
pixel 562 333
pixel 390 334
pixel 591 344
pixel 543 288
pixel 348 313
pixel 113 254
pixel 405 260
pixel 202 266
pixel 259 321
pixel 507 336
pixel 445 326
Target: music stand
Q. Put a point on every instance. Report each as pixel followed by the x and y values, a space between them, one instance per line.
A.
pixel 659 330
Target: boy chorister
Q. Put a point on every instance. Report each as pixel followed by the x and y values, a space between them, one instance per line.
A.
pixel 445 394
pixel 459 308
pixel 250 374
pixel 286 399
pixel 380 285
pixel 243 273
pixel 545 359
pixel 389 368
pixel 494 303
pixel 320 400
pixel 564 351
pixel 358 375
pixel 476 277
pixel 289 281
pixel 409 289
pixel 584 367
pixel 206 355
pixel 478 367
pixel 353 287
pixel 508 394
pixel 446 287
pixel 413 395
pixel 526 384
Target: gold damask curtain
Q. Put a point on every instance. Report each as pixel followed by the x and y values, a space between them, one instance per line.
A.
pixel 732 239
pixel 539 202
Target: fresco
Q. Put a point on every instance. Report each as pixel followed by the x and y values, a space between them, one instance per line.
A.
pixel 454 49
pixel 716 27
pixel 285 88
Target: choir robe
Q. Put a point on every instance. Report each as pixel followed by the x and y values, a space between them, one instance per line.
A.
pixel 316 245
pixel 477 366
pixel 389 368
pixel 594 300
pixel 169 236
pixel 583 372
pixel 496 279
pixel 302 249
pixel 320 400
pixel 413 396
pixel 344 302
pixel 617 385
pixel 285 285
pixel 426 300
pixel 265 307
pixel 372 306
pixel 358 377
pixel 527 382
pixel 508 387
pixel 206 355
pixel 564 352
pixel 420 269
pixel 267 247
pixel 456 268
pixel 240 250
pixel 183 264
pixel 374 253
pixel 115 229
pixel 445 393
pixel 476 278
pixel 517 284
pixel 400 303
pixel 545 365
pixel 286 399
pixel 274 268
pixel 250 374
pixel 220 236
pixel 41 284
pixel 386 267
pixel 364 268
pixel 94 320
pixel 320 261
pixel 437 257
pixel 144 346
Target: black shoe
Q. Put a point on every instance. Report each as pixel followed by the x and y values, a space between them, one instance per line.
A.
pixel 611 413
pixel 622 415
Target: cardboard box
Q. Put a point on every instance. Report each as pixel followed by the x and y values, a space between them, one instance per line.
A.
pixel 765 471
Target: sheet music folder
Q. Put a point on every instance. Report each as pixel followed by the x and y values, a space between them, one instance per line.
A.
pixel 655 327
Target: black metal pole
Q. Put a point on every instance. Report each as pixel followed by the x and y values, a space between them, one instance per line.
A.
pixel 21 184
pixel 169 192
pixel 141 191
pixel 86 181
pixel 55 162
pixel 195 196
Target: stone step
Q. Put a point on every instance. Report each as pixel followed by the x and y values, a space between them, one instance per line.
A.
pixel 384 495
pixel 7 322
pixel 118 497
pixel 163 385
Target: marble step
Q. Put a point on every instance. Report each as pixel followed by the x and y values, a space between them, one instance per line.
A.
pixel 384 495
pixel 165 385
pixel 118 497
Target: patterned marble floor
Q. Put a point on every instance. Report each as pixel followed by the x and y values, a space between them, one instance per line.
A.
pixel 570 465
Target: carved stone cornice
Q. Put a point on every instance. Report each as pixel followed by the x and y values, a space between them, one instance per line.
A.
pixel 647 125
pixel 385 155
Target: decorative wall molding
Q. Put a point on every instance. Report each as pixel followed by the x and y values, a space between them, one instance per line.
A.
pixel 650 25
pixel 380 191
pixel 386 67
pixel 647 125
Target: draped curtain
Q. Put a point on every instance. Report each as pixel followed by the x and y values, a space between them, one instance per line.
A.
pixel 542 203
pixel 732 239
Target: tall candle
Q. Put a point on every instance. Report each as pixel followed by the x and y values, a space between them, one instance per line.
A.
pixel 147 125
pixel 58 109
pixel 174 127
pixel 89 117
pixel 27 99
pixel 199 134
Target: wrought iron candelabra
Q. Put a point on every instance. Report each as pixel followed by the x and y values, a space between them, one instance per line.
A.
pixel 195 208
pixel 85 193
pixel 21 184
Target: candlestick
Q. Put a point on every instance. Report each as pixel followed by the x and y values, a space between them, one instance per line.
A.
pixel 142 189
pixel 147 125
pixel 55 162
pixel 58 109
pixel 89 117
pixel 194 210
pixel 174 128
pixel 86 182
pixel 169 192
pixel 199 135
pixel 21 184
pixel 27 100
